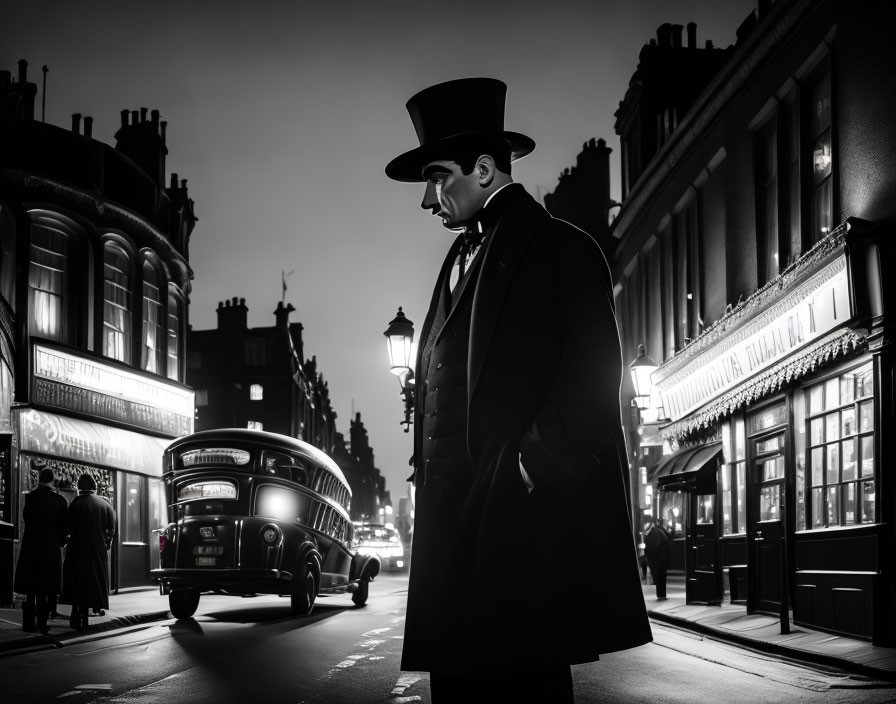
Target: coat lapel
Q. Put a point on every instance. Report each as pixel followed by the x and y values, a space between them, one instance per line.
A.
pixel 504 250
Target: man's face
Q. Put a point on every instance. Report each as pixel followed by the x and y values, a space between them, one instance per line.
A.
pixel 450 194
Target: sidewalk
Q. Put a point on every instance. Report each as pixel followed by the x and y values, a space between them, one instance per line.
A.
pixel 130 607
pixel 726 622
pixel 731 622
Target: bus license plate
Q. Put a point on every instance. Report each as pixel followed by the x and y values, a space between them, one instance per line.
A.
pixel 202 561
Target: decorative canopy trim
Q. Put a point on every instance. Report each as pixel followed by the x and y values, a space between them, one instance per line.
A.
pixel 837 344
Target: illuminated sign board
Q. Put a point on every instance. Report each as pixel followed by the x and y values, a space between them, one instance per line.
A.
pixel 64 380
pixel 812 309
pixel 90 443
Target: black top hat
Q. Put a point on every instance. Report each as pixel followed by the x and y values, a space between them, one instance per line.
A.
pixel 448 114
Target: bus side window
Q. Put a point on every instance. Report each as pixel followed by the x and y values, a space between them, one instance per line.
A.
pixel 277 464
pixel 301 473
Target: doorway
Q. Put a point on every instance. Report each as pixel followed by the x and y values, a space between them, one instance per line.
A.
pixel 768 535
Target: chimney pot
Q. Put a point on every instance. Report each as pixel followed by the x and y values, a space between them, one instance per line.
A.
pixel 164 126
pixel 155 120
pixel 124 118
pixel 76 123
pixel 143 112
pixel 676 35
pixel 234 300
pixel 173 181
pixel 709 44
pixel 242 301
pixel 88 127
pixel 692 35
pixel 183 183
pixel 664 35
pixel 134 117
pixel 23 70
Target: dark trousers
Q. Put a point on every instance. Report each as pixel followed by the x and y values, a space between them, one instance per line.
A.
pixel 79 617
pixel 36 611
pixel 551 685
pixel 659 579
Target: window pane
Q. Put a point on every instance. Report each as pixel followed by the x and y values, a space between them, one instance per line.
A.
pixel 821 157
pixel 773 469
pixel 848 387
pixel 833 506
pixel 867 455
pixel 705 508
pixel 818 508
pixel 773 444
pixel 832 427
pixel 815 400
pixel 769 499
pixel 868 502
pixel 173 331
pixel 833 465
pixel 831 394
pixel 133 509
pixel 741 496
pixel 866 417
pixel 848 422
pixel 151 359
pixel 816 431
pixel 864 382
pixel 117 315
pixel 822 215
pixel 726 509
pixel 849 460
pixel 849 504
pixel 740 439
pixel 817 466
pixel 821 104
pixel 769 418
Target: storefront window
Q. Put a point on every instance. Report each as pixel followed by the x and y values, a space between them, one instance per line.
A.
pixel 841 439
pixel 733 473
pixel 706 508
pixel 671 511
pixel 799 424
pixel 151 359
pixel 132 528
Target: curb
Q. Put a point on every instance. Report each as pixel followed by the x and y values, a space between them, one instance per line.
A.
pixel 794 654
pixel 31 643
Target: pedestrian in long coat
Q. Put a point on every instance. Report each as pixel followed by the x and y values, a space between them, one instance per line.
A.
pixel 658 550
pixel 90 521
pixel 523 560
pixel 39 567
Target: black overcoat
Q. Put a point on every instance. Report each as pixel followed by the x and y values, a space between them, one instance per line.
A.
pixel 91 524
pixel 39 568
pixel 547 577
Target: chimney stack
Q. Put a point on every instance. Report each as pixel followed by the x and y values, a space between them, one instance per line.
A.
pixel 692 35
pixel 676 35
pixel 88 127
pixel 23 71
pixel 664 35
pixel 76 123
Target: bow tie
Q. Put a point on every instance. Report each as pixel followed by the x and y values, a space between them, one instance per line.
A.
pixel 473 234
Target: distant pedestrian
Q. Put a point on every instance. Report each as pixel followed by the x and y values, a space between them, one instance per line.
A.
pixel 658 548
pixel 91 525
pixel 39 569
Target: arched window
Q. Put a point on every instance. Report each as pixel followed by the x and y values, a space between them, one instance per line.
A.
pixel 175 316
pixel 8 255
pixel 118 332
pixel 49 282
pixel 152 350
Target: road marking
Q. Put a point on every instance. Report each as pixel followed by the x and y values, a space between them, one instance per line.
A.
pixel 403 700
pixel 371 643
pixel 404 682
pixel 349 661
pixel 376 631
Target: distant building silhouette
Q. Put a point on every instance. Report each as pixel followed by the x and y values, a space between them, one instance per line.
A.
pixel 94 278
pixel 258 378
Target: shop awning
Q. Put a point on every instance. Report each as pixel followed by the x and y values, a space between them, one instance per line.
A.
pixel 690 469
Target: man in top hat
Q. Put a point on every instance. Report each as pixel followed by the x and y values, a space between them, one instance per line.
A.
pixel 523 560
pixel 39 568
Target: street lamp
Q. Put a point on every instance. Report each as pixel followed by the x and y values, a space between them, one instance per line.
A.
pixel 641 370
pixel 400 345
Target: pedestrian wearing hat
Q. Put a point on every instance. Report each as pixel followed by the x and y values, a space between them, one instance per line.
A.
pixel 91 526
pixel 523 559
pixel 39 567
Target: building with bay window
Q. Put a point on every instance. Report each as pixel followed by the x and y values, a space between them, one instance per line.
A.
pixel 93 318
pixel 751 263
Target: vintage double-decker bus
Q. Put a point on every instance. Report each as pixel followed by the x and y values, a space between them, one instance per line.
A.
pixel 252 512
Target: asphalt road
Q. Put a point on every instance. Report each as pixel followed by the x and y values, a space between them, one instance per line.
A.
pixel 254 650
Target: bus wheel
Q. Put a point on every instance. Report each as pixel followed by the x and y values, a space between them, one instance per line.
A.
pixel 359 596
pixel 183 602
pixel 303 594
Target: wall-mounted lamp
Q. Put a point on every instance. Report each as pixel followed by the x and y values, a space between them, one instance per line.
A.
pixel 400 345
pixel 641 370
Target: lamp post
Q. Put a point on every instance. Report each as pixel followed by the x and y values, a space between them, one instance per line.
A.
pixel 400 345
pixel 641 370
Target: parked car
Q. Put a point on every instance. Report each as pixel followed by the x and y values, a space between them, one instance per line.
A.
pixel 252 512
pixel 382 541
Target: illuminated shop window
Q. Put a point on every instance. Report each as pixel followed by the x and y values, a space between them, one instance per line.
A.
pixel 734 477
pixel 151 358
pixel 49 271
pixel 255 425
pixel 839 441
pixel 117 314
pixel 256 392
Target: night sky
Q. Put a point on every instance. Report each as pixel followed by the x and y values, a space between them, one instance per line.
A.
pixel 282 115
